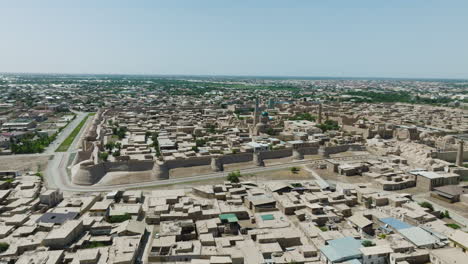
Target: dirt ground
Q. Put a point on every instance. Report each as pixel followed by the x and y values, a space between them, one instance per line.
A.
pixel 189 171
pixel 238 166
pixel 24 163
pixel 281 174
pixel 112 178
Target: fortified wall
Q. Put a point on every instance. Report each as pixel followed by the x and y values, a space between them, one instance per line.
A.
pixel 90 171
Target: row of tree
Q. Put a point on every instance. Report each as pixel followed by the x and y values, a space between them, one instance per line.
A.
pixel 32 143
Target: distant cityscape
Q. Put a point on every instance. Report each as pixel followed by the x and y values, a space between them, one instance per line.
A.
pixel 232 169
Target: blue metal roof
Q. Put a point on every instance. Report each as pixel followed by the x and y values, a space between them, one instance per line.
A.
pixel 342 249
pixel 395 223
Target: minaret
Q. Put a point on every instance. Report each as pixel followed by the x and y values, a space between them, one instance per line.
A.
pixel 320 113
pixel 256 111
pixel 459 161
pixel 255 119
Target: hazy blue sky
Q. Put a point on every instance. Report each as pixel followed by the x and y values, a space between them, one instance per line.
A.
pixel 380 38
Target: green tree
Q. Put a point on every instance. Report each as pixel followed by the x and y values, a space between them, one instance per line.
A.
pixel 109 146
pixel 328 125
pixel 446 214
pixel 119 132
pixel 295 170
pixel 367 243
pixel 270 131
pixel 323 228
pixel 103 156
pixel 154 138
pixel 31 143
pixel 119 218
pixel 427 205
pixel 303 116
pixel 211 128
pixel 147 135
pixel 118 145
pixel 200 142
pixel 10 180
pixel 4 247
pixel 94 244
pixel 234 176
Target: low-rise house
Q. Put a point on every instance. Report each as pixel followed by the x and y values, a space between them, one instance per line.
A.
pixel 448 256
pixel 64 235
pixel 341 250
pixel 361 224
pixel 449 193
pixel 376 254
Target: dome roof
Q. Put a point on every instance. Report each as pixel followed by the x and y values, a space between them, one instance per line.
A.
pixel 265 113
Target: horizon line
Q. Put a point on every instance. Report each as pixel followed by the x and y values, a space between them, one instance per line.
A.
pixel 237 76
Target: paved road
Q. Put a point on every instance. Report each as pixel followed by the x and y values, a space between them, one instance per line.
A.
pixel 56 172
pixel 64 133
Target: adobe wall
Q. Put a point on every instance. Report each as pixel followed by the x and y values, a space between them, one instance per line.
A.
pixel 276 154
pixel 87 172
pixel 190 162
pixel 342 148
pixel 309 151
pixel 237 158
pixel 450 156
pixel 83 155
pixel 131 165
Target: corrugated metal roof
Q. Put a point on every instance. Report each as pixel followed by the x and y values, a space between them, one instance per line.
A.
pixel 342 249
pixel 418 236
pixel 395 223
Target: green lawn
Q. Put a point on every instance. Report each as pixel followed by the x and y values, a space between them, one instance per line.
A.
pixel 69 140
pixel 454 226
